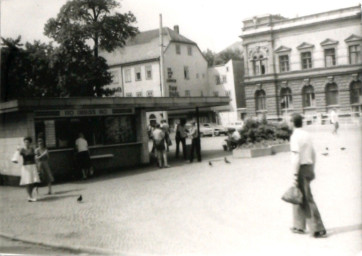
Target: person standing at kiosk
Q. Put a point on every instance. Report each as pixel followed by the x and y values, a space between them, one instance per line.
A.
pixel 83 157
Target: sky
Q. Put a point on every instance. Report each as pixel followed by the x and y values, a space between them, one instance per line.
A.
pixel 212 24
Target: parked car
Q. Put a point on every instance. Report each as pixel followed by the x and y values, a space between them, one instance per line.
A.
pixel 220 130
pixel 205 129
pixel 238 125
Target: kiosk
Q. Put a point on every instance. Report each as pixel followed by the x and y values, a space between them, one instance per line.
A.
pixel 115 128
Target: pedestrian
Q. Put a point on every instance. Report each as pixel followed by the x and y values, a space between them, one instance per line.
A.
pixel 303 162
pixel 42 159
pixel 195 144
pixel 83 156
pixel 166 129
pixel 159 141
pixel 334 120
pixel 233 139
pixel 181 135
pixel 29 175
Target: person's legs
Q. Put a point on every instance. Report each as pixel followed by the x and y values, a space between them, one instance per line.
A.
pixel 164 153
pixel 314 220
pixel 159 157
pixel 29 190
pixel 198 149
pixel 300 210
pixel 193 144
pixel 184 150
pixel 177 146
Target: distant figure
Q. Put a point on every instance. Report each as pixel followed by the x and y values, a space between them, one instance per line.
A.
pixel 83 157
pixel 29 174
pixel 159 141
pixel 42 157
pixel 181 135
pixel 334 121
pixel 166 129
pixel 233 139
pixel 195 144
pixel 303 162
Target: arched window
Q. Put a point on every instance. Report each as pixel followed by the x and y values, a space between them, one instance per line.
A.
pixel 260 103
pixel 259 63
pixel 286 99
pixel 356 92
pixel 308 96
pixel 331 94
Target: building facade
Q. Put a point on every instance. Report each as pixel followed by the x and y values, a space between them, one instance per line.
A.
pixel 310 64
pixel 226 80
pixel 136 70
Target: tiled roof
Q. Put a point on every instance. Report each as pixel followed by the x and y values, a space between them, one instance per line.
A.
pixel 144 46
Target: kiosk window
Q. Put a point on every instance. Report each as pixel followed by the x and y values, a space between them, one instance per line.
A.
pixel 96 130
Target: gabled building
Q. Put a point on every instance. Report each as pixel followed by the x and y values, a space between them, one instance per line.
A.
pixel 136 70
pixel 308 64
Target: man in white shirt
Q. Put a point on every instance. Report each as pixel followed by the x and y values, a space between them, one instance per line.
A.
pixel 159 139
pixel 334 120
pixel 83 157
pixel 303 161
pixel 233 139
pixel 195 143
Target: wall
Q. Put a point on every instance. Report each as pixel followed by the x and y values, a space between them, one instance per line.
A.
pixel 197 65
pixel 13 128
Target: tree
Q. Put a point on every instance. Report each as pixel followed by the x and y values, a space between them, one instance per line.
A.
pixel 94 20
pixel 228 54
pixel 79 73
pixel 210 57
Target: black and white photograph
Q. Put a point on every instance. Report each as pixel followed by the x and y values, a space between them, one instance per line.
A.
pixel 169 127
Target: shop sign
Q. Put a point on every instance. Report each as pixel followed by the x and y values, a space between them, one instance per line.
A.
pixel 83 112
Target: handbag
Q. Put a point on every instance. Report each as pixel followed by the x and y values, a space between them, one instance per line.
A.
pixel 15 157
pixel 293 195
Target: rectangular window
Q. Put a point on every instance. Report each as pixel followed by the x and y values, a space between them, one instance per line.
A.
pixel 186 73
pixel 355 54
pixel 119 129
pixel 228 93
pixel 148 72
pixel 138 73
pixel 306 60
pixel 178 49
pixel 169 73
pixel 172 90
pixel 139 94
pixel 217 79
pixel 189 50
pixel 149 93
pixel 224 79
pixel 284 63
pixel 127 75
pixel 216 94
pixel 128 94
pixel 187 93
pixel 330 57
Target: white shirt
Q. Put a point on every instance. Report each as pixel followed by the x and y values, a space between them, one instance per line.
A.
pixel 302 147
pixel 334 117
pixel 82 144
pixel 158 134
pixel 235 136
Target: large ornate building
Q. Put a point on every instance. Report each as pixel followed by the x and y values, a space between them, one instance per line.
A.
pixel 308 64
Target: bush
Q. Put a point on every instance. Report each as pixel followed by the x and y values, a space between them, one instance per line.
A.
pixel 260 134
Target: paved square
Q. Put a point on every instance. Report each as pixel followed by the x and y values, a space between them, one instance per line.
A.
pixel 196 209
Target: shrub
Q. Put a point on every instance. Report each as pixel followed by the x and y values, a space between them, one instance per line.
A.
pixel 261 133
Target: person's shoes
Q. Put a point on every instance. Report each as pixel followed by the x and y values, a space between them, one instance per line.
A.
pixel 320 234
pixel 49 193
pixel 32 199
pixel 166 166
pixel 297 230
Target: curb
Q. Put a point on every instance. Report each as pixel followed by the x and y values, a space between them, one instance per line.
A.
pixel 75 249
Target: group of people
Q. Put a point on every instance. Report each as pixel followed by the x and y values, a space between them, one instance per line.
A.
pixel 36 169
pixel 35 165
pixel 160 135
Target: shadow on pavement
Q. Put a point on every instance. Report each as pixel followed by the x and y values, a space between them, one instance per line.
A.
pixel 345 229
pixel 66 191
pixel 55 198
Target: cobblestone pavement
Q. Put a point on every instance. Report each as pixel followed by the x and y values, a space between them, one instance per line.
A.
pixel 197 209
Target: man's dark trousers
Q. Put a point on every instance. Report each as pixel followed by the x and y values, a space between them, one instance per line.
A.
pixel 195 146
pixel 183 142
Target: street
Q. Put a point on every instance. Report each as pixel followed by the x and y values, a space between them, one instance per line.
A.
pixel 196 208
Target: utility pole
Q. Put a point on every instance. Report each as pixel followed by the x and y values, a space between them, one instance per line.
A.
pixel 162 68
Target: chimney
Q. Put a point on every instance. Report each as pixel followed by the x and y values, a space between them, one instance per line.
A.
pixel 176 28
